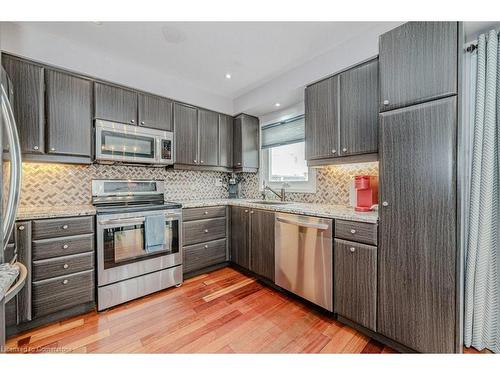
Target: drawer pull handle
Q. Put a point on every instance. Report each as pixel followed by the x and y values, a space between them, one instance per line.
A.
pixel 206 246
pixel 205 230
pixel 65 281
pixel 65 226
pixel 352 249
pixel 206 212
pixel 353 231
pixel 65 246
pixel 65 266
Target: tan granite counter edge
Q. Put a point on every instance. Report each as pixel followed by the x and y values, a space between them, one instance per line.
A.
pixel 47 212
pixel 312 209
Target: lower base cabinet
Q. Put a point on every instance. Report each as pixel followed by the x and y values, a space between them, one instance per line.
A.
pixel 355 291
pixel 204 231
pixel 252 240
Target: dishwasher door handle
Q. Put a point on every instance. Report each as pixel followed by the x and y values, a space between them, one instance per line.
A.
pixel 318 226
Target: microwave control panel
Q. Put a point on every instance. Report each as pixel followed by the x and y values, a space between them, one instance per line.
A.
pixel 166 149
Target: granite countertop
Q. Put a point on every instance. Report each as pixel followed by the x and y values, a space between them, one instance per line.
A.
pixel 8 275
pixel 46 212
pixel 333 211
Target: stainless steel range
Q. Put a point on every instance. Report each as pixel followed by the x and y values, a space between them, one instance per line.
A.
pixel 129 214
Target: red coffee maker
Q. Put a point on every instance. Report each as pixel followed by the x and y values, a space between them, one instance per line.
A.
pixel 366 192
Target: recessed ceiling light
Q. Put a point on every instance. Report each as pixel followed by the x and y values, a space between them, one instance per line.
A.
pixel 228 75
pixel 277 104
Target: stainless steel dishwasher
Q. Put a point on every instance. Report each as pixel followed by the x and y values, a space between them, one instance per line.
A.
pixel 304 257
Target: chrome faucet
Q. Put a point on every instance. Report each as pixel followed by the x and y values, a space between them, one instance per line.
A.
pixel 280 195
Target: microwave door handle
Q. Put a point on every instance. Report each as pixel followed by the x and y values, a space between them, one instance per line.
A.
pixel 15 166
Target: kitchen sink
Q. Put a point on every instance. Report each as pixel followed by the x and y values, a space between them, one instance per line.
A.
pixel 273 203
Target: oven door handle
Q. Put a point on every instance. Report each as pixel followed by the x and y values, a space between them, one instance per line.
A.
pixel 134 220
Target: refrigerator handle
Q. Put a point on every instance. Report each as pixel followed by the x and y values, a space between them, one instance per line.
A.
pixel 15 167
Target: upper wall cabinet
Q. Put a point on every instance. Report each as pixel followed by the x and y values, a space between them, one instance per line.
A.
pixel 225 141
pixel 53 112
pixel 321 119
pixel 359 110
pixel 246 143
pixel 186 134
pixel 341 117
pixel 425 54
pixel 28 103
pixel 115 104
pixel 155 112
pixel 69 114
pixel 208 124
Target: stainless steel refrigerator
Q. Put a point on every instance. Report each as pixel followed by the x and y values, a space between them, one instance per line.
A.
pixel 10 183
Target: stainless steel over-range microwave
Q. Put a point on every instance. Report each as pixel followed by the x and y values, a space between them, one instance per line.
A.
pixel 117 142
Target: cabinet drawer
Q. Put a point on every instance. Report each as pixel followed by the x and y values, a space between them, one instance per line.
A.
pixel 203 230
pixel 200 213
pixel 56 247
pixel 63 292
pixel 355 273
pixel 202 255
pixel 62 227
pixel 48 268
pixel 356 231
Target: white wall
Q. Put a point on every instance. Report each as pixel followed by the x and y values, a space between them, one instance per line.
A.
pixel 26 41
pixel 288 88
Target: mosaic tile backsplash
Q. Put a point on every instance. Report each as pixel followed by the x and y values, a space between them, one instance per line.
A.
pixel 64 184
pixel 332 184
pixel 61 184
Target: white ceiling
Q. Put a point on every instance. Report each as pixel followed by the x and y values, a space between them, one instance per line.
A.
pixel 197 53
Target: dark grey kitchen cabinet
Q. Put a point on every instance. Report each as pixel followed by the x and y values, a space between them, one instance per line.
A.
pixel 262 243
pixel 359 110
pixel 417 229
pixel 114 103
pixel 28 102
pixel 355 286
pixel 186 134
pixel 225 141
pixel 240 236
pixel 68 101
pixel 418 63
pixel 321 119
pixel 246 143
pixel 208 125
pixel 252 240
pixel 155 112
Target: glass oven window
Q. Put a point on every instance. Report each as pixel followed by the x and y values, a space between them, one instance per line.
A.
pixel 127 145
pixel 125 244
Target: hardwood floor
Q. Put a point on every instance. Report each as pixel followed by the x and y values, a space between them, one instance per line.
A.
pixel 220 312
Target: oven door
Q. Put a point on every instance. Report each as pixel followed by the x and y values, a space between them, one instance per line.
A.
pixel 121 253
pixel 125 143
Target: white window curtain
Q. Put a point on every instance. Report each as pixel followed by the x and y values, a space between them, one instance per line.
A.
pixel 482 267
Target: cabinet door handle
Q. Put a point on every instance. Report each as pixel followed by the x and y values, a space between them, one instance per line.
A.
pixel 194 161
pixel 21 227
pixel 334 151
pixel 385 204
pixel 35 148
pixel 206 246
pixel 352 249
pixel 142 122
pixel 386 102
pixel 344 149
pixel 65 226
pixel 132 121
pixel 205 230
pixel 238 163
pixel 205 213
pixel 353 231
pixel 52 149
pixel 201 161
pixel 65 246
pixel 65 281
pixel 251 212
pixel 65 266
pixel 246 210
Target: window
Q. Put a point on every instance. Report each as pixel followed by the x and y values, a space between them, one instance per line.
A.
pixel 283 157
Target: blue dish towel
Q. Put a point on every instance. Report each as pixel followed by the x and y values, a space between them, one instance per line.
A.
pixel 154 233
